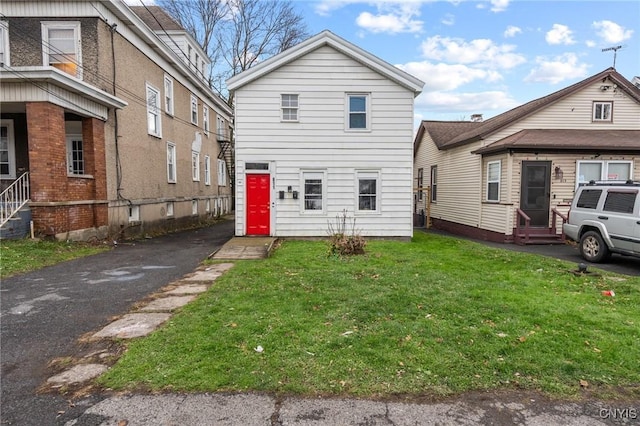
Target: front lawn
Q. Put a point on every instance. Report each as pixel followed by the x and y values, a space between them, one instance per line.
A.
pixel 436 316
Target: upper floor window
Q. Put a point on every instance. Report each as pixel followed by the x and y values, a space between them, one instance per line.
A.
pixel 207 170
pixel 194 109
pixel 289 105
pixel 195 165
pixel 358 114
pixel 602 111
pixel 221 129
pixel 153 111
pixel 168 95
pixel 205 119
pixel 493 180
pixel 222 173
pixel 61 46
pixel 4 43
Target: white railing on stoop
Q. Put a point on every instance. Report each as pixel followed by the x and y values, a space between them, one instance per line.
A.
pixel 14 197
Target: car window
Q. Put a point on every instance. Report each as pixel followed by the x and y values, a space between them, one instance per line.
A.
pixel 620 202
pixel 589 198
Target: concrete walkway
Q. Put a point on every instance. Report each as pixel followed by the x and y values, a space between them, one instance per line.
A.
pixel 239 248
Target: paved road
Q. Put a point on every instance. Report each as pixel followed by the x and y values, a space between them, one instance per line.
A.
pixel 43 313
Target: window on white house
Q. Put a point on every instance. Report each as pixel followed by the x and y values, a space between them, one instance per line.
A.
pixel 134 213
pixel 420 183
pixel 602 111
pixel 170 208
pixel 168 95
pixel 434 184
pixel 153 111
pixel 313 184
pixel 75 155
pixel 61 46
pixel 171 162
pixel 194 109
pixel 368 191
pixel 195 165
pixel 222 173
pixel 289 105
pixel 4 43
pixel 205 119
pixel 207 170
pixel 493 180
pixel 611 170
pixel 358 114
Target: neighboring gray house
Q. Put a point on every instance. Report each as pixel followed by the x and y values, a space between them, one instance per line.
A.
pixel 489 179
pixel 321 128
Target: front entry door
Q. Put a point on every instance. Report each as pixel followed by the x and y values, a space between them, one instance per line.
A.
pixel 534 192
pixel 258 200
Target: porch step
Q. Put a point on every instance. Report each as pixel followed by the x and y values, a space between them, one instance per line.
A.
pixel 538 239
pixel 17 227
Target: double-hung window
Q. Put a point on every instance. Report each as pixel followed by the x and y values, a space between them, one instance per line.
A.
pixel 153 111
pixel 75 154
pixel 222 173
pixel 171 162
pixel 493 181
pixel 358 117
pixel 168 95
pixel 194 109
pixel 207 170
pixel 313 184
pixel 602 111
pixel 220 128
pixel 289 105
pixel 420 183
pixel 4 43
pixel 434 184
pixel 607 170
pixel 205 119
pixel 195 165
pixel 368 185
pixel 61 46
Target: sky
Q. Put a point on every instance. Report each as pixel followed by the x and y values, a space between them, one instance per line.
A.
pixel 486 57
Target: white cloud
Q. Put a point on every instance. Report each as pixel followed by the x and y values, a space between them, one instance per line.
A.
pixel 611 32
pixel 512 31
pixel 442 77
pixel 479 51
pixel 556 70
pixel 464 103
pixel 559 34
pixel 392 18
pixel 499 5
pixel 448 19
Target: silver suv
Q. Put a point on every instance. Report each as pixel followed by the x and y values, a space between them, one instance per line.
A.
pixel 605 218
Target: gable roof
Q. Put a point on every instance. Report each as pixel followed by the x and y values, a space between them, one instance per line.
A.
pixel 327 38
pixel 469 134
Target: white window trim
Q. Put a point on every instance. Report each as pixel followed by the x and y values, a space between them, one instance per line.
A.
pixel 433 185
pixel 4 29
pixel 207 170
pixel 69 142
pixel 75 26
pixel 296 108
pixel 313 174
pixel 602 120
pixel 157 108
pixel 367 174
pixel 171 160
pixel 168 95
pixel 170 209
pixel 11 149
pixel 489 164
pixel 347 111
pixel 205 119
pixel 222 173
pixel 195 166
pixel 604 170
pixel 194 111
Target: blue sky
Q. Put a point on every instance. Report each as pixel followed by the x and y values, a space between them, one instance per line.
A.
pixel 486 56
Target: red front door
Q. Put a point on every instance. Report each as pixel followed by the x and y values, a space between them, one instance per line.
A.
pixel 258 201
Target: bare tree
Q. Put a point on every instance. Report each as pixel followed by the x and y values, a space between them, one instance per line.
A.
pixel 238 34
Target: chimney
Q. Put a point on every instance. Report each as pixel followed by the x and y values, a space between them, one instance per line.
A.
pixel 476 117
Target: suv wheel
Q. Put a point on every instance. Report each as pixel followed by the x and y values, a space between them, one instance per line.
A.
pixel 592 247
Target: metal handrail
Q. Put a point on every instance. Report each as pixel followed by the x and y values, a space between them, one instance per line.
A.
pixel 14 198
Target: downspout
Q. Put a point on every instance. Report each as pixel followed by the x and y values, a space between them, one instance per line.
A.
pixel 112 30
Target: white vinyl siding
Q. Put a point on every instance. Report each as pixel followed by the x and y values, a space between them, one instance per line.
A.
pixel 61 46
pixel 494 173
pixel 154 123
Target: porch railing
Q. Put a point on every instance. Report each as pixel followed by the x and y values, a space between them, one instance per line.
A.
pixel 14 198
pixel 527 225
pixel 554 221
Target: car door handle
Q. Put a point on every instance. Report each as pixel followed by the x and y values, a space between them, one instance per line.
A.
pixel 638 222
pixel 603 217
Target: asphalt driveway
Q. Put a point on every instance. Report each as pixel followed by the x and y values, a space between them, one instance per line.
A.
pixel 43 313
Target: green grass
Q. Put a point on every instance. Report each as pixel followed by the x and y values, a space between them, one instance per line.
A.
pixel 19 256
pixel 436 316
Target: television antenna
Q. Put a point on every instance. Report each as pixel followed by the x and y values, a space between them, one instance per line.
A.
pixel 615 52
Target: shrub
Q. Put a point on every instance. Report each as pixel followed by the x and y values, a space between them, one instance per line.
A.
pixel 344 239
